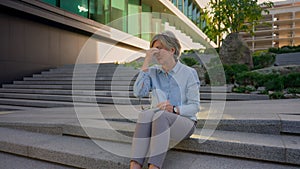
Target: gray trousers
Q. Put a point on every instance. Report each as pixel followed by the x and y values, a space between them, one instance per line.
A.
pixel 156 132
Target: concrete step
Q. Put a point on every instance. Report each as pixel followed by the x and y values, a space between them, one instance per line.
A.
pixel 40 103
pixel 120 73
pixel 86 82
pixel 274 148
pixel 98 87
pixel 91 65
pixel 206 96
pixel 288 59
pixel 69 87
pixel 216 89
pixel 69 92
pixel 203 96
pixel 68 78
pixel 267 125
pixel 290 123
pixel 231 96
pixel 94 69
pixel 84 75
pixel 70 151
pixel 11 161
pixel 79 99
pixel 86 153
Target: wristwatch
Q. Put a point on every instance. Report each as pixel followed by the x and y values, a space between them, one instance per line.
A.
pixel 175 110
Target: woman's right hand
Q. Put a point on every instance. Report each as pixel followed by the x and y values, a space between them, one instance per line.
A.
pixel 152 52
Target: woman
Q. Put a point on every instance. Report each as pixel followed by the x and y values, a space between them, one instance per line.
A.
pixel 175 102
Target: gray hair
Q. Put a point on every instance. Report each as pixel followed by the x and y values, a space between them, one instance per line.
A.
pixel 169 41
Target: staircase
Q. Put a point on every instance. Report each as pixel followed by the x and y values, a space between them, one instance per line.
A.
pixel 92 136
pixel 89 84
pixel 82 85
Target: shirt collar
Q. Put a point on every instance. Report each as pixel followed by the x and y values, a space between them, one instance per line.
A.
pixel 173 71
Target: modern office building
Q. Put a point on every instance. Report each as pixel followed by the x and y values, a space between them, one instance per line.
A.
pixel 281 28
pixel 40 34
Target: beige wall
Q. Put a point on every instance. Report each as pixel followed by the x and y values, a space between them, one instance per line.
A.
pixel 28 46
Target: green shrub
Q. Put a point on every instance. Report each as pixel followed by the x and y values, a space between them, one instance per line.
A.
pixel 249 78
pixel 270 81
pixel 276 95
pixel 273 82
pixel 263 60
pixel 215 76
pixel 293 90
pixel 292 80
pixel 244 89
pixel 239 68
pixel 229 74
pixel 231 71
pixel 134 64
pixel 259 52
pixel 189 61
pixel 285 49
pixel 206 77
pixel 273 50
pixel 240 89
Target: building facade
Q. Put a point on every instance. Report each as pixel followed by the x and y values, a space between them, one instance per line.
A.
pixel 106 11
pixel 41 34
pixel 281 27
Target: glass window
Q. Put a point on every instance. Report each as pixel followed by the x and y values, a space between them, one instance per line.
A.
pixel 180 6
pixel 194 18
pixel 185 8
pixel 190 10
pixel 118 14
pixel 134 24
pixel 146 22
pixel 100 11
pixel 198 21
pixel 174 2
pixel 79 7
pixel 51 2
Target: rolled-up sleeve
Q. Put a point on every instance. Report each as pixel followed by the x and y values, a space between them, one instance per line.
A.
pixel 142 84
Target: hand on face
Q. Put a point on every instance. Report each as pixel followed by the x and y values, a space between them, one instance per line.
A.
pixel 165 106
pixel 152 52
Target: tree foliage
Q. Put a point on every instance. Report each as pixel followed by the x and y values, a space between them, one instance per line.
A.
pixel 227 16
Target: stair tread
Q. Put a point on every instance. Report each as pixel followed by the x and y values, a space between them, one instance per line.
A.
pixel 265 140
pixel 266 147
pixel 85 153
pixel 40 103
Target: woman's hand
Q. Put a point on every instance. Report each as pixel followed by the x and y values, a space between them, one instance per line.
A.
pixel 152 52
pixel 165 106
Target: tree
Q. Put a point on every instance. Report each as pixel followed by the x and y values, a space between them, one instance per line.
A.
pixel 227 16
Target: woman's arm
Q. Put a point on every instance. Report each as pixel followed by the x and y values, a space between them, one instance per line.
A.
pixel 192 94
pixel 142 84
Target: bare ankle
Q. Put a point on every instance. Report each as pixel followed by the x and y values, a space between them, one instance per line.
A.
pixel 151 166
pixel 135 165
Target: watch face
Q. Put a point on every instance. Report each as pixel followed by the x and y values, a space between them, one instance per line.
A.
pixel 175 109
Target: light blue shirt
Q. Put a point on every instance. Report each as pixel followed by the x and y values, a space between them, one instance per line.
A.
pixel 180 86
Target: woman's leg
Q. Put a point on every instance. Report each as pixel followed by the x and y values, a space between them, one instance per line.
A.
pixel 141 138
pixel 167 127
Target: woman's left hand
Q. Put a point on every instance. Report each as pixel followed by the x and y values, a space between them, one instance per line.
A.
pixel 165 106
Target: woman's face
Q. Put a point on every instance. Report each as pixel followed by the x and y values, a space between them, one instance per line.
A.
pixel 164 55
